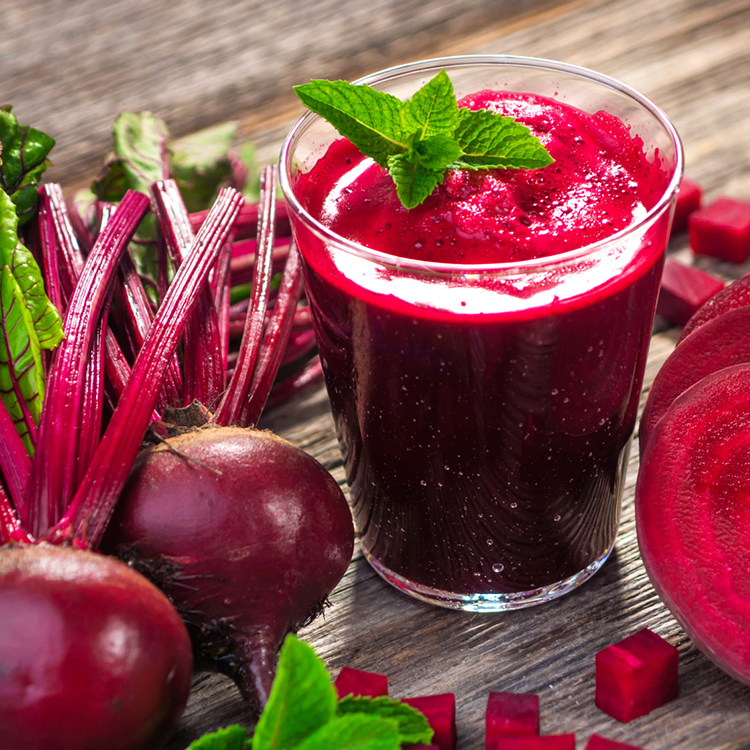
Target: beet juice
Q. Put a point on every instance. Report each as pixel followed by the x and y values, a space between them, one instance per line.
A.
pixel 484 352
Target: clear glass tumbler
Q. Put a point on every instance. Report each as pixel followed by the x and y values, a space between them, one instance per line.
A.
pixel 484 412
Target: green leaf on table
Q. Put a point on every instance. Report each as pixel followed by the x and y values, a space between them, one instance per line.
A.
pixel 419 139
pixel 302 699
pixel 46 320
pixel 228 738
pixel 491 141
pixel 354 732
pixel 21 372
pixel 413 727
pixel 200 164
pixel 23 159
pixel 370 119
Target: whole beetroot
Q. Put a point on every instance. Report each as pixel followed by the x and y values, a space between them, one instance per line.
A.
pixel 245 533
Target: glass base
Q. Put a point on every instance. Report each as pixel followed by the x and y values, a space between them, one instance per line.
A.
pixel 486 602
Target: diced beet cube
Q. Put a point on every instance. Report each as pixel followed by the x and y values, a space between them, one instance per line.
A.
pixel 440 712
pixel 531 742
pixel 683 290
pixel 597 742
pixel 510 715
pixel 422 747
pixel 356 682
pixel 636 675
pixel 689 199
pixel 722 230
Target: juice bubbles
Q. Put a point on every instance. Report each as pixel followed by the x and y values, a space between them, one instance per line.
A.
pixel 484 352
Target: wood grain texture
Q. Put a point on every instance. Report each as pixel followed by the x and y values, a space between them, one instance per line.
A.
pixel 690 56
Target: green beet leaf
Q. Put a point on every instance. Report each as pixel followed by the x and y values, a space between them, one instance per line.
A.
pixel 413 727
pixel 228 738
pixel 21 372
pixel 23 159
pixel 354 732
pixel 370 119
pixel 302 699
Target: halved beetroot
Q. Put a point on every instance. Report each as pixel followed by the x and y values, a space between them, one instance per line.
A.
pixel 510 715
pixel 736 294
pixel 684 289
pixel 689 199
pixel 692 507
pixel 358 682
pixel 722 230
pixel 719 343
pixel 440 712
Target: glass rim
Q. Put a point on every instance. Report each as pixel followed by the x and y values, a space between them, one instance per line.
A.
pixel 467 61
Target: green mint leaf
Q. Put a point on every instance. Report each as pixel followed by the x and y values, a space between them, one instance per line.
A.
pixel 200 164
pixel 433 109
pixel 491 141
pixel 437 152
pixel 413 727
pixel 370 119
pixel 414 182
pixel 229 738
pixel 302 699
pixel 354 732
pixel 45 317
pixel 23 159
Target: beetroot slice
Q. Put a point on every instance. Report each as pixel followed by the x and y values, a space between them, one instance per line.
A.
pixel 720 343
pixel 689 199
pixel 357 682
pixel 722 230
pixel 510 715
pixel 597 742
pixel 736 294
pixel 636 675
pixel 684 289
pixel 546 742
pixel 693 516
pixel 440 712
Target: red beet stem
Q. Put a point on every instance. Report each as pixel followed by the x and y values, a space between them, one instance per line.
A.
pixel 247 221
pixel 10 527
pixel 86 518
pixel 54 467
pixel 286 389
pixel 221 283
pixel 232 403
pixel 15 462
pixel 204 371
pixel 274 341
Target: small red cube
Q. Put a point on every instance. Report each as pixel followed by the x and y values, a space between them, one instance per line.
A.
pixel 597 742
pixel 683 290
pixel 689 199
pixel 722 230
pixel 636 675
pixel 440 712
pixel 510 715
pixel 356 682
pixel 529 742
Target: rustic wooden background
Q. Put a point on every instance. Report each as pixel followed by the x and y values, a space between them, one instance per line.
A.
pixel 70 68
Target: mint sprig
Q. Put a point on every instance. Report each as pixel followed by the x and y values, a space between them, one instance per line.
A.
pixel 304 713
pixel 420 139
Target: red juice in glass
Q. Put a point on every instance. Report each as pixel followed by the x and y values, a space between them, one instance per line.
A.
pixel 484 352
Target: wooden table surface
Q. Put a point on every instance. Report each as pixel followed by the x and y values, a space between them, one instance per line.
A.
pixel 70 67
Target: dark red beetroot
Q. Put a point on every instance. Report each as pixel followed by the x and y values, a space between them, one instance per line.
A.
pixel 245 533
pixel 440 712
pixel 689 199
pixel 92 655
pixel 720 343
pixel 546 742
pixel 693 515
pixel 510 715
pixel 636 675
pixel 722 230
pixel 597 742
pixel 684 289
pixel 736 294
pixel 357 682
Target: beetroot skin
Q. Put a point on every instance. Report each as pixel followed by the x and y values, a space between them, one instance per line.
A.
pixel 245 533
pixel 92 655
pixel 693 515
